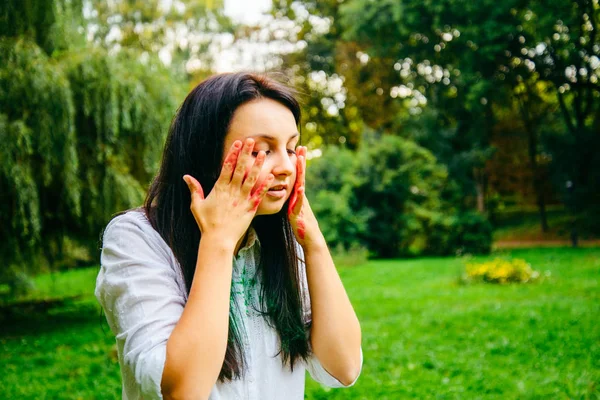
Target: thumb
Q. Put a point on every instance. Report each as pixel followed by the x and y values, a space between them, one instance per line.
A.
pixel 194 186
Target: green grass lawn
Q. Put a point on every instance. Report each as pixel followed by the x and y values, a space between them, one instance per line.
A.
pixel 424 335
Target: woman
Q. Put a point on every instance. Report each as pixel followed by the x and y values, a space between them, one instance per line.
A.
pixel 222 286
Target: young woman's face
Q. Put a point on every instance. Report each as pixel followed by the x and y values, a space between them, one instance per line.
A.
pixel 273 128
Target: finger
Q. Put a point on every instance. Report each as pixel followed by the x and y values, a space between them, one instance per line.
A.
pixel 259 194
pixel 252 177
pixel 301 171
pixel 296 185
pixel 293 200
pixel 302 151
pixel 300 200
pixel 294 196
pixel 194 186
pixel 229 163
pixel 242 162
pixel 304 167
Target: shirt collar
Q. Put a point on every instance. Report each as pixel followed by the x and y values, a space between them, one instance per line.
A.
pixel 251 240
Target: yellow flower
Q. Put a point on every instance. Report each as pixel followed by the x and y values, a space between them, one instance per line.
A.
pixel 501 271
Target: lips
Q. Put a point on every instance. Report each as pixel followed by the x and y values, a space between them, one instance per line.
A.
pixel 278 187
pixel 277 191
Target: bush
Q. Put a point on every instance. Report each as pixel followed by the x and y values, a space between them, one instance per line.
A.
pixel 400 183
pixel 465 233
pixel 355 255
pixel 331 181
pixel 394 198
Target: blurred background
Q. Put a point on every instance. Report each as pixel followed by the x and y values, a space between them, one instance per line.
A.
pixel 454 168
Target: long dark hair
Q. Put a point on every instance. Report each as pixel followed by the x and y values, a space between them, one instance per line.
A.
pixel 195 146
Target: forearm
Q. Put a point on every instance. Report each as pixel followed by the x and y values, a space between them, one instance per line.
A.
pixel 335 332
pixel 197 345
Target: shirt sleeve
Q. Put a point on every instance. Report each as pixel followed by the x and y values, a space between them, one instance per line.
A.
pixel 313 365
pixel 142 298
pixel 320 374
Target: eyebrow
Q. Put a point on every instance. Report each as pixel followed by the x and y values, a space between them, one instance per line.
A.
pixel 273 139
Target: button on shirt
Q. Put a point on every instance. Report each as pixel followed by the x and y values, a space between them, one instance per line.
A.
pixel 143 294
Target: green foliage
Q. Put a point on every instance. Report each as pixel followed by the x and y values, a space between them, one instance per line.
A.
pixel 352 257
pixel 185 28
pixel 80 138
pixel 447 74
pixel 332 181
pixel 38 171
pixel 401 184
pixel 122 114
pixel 52 24
pixel 392 197
pixel 466 232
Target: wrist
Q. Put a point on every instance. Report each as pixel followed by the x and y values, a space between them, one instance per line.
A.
pixel 218 241
pixel 315 243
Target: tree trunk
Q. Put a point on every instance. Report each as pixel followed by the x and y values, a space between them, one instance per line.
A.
pixel 574 235
pixel 532 143
pixel 537 180
pixel 479 175
pixel 541 203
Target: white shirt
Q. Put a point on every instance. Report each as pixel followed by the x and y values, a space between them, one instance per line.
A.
pixel 142 292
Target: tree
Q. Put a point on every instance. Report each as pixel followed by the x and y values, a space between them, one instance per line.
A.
pixel 179 31
pixel 80 135
pixel 400 59
pixel 446 73
pixel 560 41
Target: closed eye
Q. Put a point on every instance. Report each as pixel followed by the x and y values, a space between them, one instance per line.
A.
pixel 267 152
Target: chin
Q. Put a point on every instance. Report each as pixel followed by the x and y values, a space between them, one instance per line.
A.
pixel 272 207
pixel 268 210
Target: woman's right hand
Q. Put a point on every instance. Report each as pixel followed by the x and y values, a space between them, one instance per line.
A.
pixel 231 205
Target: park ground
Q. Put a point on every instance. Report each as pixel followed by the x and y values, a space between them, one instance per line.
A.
pixel 425 334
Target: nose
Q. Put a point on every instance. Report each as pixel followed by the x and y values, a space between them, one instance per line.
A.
pixel 283 164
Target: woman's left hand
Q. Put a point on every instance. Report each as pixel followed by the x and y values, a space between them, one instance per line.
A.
pixel 303 220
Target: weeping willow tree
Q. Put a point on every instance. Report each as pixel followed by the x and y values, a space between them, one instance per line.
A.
pixel 80 135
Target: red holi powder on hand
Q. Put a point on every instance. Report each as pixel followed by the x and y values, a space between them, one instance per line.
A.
pixel 256 203
pixel 256 196
pixel 231 159
pixel 292 202
pixel 301 229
